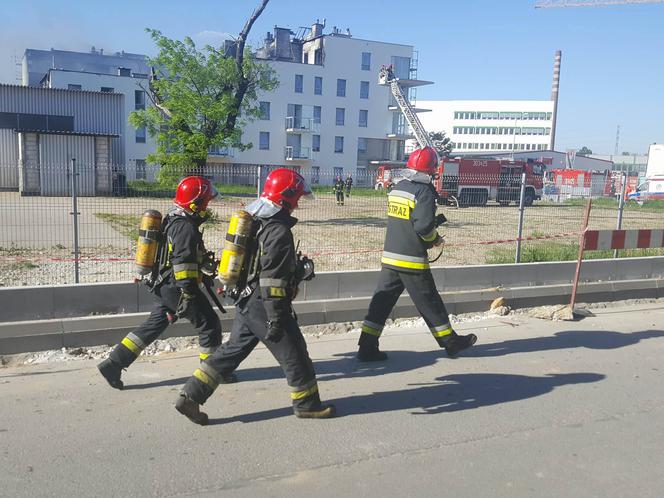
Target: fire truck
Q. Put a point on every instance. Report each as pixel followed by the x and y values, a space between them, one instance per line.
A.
pixel 581 183
pixel 465 182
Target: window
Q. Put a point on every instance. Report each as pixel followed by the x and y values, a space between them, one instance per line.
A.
pixel 315 143
pixel 264 110
pixel 364 118
pixel 140 135
pixel 140 169
pixel 364 89
pixel 139 99
pixel 108 89
pixel 318 85
pixel 264 140
pixel 73 87
pixel 366 61
pixel 317 114
pixel 299 83
pixel 339 145
pixel 341 88
pixel 341 116
pixel 361 145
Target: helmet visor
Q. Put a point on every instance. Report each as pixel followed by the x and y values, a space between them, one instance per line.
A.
pixel 307 193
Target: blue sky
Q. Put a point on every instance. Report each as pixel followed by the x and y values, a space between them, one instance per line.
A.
pixel 613 57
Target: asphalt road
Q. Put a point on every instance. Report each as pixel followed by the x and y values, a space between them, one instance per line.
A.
pixel 536 409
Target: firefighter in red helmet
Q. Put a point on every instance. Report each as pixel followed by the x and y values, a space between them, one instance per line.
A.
pixel 411 230
pixel 176 289
pixel 264 312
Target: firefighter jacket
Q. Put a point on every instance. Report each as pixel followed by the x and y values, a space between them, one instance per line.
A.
pixel 338 186
pixel 277 263
pixel 349 182
pixel 411 226
pixel 185 249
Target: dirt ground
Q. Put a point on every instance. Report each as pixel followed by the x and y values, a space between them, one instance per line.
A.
pixel 35 243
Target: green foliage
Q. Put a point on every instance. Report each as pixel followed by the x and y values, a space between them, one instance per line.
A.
pixel 584 151
pixel 126 224
pixel 441 143
pixel 355 192
pixel 208 98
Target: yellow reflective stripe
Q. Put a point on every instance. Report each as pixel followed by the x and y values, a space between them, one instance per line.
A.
pixel 442 333
pixel 129 344
pixel 304 394
pixel 372 331
pixel 203 356
pixel 205 378
pixel 404 264
pixel 430 237
pixel 181 275
pixel 277 292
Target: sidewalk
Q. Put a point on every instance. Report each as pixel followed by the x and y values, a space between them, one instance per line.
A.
pixel 535 409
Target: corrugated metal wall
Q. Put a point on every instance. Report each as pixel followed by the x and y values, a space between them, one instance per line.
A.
pixel 56 153
pixel 94 112
pixel 8 160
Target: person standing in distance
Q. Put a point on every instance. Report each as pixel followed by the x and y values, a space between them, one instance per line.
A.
pixel 339 190
pixel 411 230
pixel 265 313
pixel 349 184
pixel 176 290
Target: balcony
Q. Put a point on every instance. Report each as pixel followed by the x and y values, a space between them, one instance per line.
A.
pixel 297 153
pixel 296 124
pixel 221 151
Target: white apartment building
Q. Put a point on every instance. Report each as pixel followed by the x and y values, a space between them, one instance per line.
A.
pixel 135 144
pixel 491 126
pixel 329 115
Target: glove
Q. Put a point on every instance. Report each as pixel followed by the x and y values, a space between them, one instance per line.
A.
pixel 275 331
pixel 440 219
pixel 439 241
pixel 209 265
pixel 184 304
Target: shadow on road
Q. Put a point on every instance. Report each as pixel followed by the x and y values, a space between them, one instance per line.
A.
pixel 451 393
pixel 591 339
pixel 345 365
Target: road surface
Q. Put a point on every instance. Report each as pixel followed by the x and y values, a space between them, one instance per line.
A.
pixel 537 409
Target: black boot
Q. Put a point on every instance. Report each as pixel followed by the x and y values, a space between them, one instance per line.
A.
pixel 371 353
pixel 322 411
pixel 111 372
pixel 454 344
pixel 190 409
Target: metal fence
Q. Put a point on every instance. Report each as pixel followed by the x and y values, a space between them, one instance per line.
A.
pixel 43 242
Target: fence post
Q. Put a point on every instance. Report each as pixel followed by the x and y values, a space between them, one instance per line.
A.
pixel 259 181
pixel 517 259
pixel 621 206
pixel 582 248
pixel 75 213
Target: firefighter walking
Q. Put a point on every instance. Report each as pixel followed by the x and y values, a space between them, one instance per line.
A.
pixel 339 190
pixel 264 311
pixel 349 184
pixel 411 230
pixel 176 287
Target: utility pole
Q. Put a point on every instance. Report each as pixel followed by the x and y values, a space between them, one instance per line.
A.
pixel 555 87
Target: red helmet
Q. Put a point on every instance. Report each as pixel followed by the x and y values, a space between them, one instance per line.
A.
pixel 424 160
pixel 284 187
pixel 194 193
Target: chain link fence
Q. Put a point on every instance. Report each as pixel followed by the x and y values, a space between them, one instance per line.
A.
pixel 43 243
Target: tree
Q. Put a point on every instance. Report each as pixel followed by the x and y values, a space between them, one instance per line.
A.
pixel 201 99
pixel 584 151
pixel 441 143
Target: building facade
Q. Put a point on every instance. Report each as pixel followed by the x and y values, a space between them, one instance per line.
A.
pixel 42 130
pixel 135 144
pixel 491 126
pixel 329 115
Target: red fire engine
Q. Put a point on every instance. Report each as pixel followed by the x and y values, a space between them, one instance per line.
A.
pixel 474 182
pixel 581 183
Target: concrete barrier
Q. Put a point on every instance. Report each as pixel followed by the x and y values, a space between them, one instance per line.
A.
pixel 38 318
pixel 66 301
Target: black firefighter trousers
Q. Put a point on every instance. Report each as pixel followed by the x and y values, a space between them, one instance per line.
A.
pixel 250 327
pixel 201 315
pixel 422 290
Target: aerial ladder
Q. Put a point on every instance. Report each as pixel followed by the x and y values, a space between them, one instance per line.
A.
pixel 388 78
